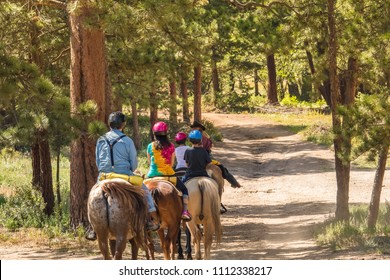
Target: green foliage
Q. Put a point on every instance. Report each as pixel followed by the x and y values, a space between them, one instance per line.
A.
pixel 21 205
pixel 290 101
pixel 371 123
pixel 320 133
pixel 355 233
pixel 23 209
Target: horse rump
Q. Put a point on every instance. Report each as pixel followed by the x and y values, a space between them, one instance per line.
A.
pixel 117 211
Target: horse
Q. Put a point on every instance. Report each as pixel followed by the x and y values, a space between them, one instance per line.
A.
pixel 117 211
pixel 215 173
pixel 204 206
pixel 169 207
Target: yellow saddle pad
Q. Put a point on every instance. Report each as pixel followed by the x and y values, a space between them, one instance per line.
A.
pixel 133 179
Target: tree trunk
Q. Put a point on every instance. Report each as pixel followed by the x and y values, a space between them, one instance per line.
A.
pixel 153 111
pixel 272 94
pixel 184 96
pixel 215 80
pixel 41 160
pixel 377 188
pixel 198 93
pixel 322 88
pixel 173 104
pixel 134 114
pixel 232 81
pixel 58 190
pixel 342 170
pixel 256 75
pixel 36 165
pixel 88 81
pixel 46 177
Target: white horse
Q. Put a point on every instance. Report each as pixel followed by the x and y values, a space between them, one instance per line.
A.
pixel 204 206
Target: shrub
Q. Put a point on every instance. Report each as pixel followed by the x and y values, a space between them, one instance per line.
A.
pixel 23 209
pixel 355 233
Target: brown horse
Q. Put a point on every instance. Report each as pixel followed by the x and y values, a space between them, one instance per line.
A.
pixel 169 207
pixel 204 205
pixel 117 212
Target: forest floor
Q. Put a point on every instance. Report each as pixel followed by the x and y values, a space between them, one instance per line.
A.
pixel 289 187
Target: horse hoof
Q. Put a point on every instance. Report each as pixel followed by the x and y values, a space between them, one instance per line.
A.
pixel 180 257
pixel 189 258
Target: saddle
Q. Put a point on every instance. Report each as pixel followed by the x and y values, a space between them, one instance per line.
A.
pixel 133 179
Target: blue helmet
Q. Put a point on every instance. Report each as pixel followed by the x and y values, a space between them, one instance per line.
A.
pixel 195 135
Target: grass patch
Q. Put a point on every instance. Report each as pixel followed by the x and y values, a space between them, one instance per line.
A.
pixel 354 234
pixel 313 126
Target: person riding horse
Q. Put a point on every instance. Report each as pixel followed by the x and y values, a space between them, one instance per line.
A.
pixel 207 145
pixel 161 157
pixel 116 154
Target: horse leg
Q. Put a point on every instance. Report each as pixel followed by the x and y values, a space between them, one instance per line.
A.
pixel 197 236
pixel 164 244
pixel 121 241
pixel 207 240
pixel 188 244
pixel 150 245
pixel 180 255
pixel 102 238
pixel 134 249
pixel 173 233
pixel 112 246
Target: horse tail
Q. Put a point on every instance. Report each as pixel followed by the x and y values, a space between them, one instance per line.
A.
pixel 201 187
pixel 215 212
pixel 132 199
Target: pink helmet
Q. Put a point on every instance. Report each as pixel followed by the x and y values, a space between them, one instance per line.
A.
pixel 160 128
pixel 180 136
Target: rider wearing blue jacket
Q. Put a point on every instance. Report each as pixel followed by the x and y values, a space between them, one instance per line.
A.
pixel 116 153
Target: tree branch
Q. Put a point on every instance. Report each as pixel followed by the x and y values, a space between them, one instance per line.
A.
pixel 60 55
pixel 50 3
pixel 252 5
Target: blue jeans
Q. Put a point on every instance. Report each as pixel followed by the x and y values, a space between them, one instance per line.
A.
pixel 149 199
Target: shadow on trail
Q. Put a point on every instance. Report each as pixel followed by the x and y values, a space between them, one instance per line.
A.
pixel 288 239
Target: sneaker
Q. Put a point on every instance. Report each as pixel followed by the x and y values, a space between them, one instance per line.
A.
pixel 90 235
pixel 236 186
pixel 186 216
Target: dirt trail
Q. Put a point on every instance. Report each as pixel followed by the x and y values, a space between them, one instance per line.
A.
pixel 288 186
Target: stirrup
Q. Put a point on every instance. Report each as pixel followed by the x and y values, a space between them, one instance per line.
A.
pixel 186 216
pixel 223 209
